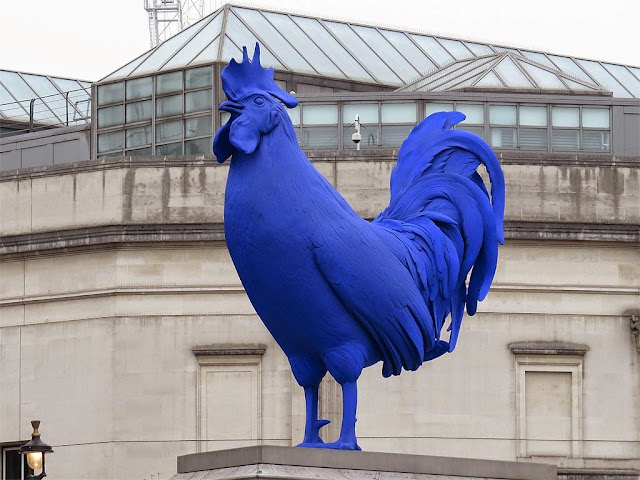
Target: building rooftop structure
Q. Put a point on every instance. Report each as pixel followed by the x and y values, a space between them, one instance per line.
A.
pixel 31 102
pixel 164 102
pixel 358 52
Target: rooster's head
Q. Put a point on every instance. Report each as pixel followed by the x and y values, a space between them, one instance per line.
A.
pixel 253 105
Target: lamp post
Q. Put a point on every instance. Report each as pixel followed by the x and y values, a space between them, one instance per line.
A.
pixel 35 450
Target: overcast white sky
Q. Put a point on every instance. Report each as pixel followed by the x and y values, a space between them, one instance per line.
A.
pixel 87 39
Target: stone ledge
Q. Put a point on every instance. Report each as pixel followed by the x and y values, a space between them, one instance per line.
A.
pixel 265 459
pixel 213 232
pixel 548 348
pixel 319 155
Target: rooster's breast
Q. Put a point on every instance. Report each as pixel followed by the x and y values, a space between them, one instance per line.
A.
pixel 271 242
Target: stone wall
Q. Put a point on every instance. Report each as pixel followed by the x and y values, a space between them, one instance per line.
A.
pixel 120 313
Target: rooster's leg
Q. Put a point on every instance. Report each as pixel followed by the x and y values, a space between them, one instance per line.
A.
pixel 347 440
pixel 313 424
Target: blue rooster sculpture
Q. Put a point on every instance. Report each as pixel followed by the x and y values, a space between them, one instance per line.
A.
pixel 339 293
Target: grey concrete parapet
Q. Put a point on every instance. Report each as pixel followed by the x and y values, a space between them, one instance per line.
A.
pixel 279 459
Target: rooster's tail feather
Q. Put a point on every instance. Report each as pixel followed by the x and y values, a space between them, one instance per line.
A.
pixel 446 220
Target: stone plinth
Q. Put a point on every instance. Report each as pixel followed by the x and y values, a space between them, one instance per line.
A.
pixel 318 464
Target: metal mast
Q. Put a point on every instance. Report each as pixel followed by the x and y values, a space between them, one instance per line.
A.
pixel 168 17
pixel 165 19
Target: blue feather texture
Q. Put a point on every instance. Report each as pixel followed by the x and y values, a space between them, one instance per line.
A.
pixel 339 293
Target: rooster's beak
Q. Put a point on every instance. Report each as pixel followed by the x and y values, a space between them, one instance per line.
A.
pixel 231 107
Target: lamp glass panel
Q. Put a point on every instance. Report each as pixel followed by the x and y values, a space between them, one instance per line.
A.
pixel 34 460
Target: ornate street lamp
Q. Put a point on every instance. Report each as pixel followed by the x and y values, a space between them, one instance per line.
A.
pixel 35 450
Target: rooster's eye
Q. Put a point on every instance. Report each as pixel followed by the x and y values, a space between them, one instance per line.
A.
pixel 258 101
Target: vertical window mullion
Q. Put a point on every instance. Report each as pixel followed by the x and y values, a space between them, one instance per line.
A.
pixel 153 115
pixel 549 130
pixel 580 136
pixel 379 142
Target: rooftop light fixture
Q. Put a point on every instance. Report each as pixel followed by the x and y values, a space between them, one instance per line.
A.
pixel 35 450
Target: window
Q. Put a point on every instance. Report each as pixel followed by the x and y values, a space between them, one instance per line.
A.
pixel 398 119
pixel 386 124
pixel 229 396
pixel 474 112
pixel 171 113
pixel 549 398
pixel 533 127
pixel 502 122
pixel 474 121
pixel 581 128
pixel 369 124
pixel 13 465
pixel 319 126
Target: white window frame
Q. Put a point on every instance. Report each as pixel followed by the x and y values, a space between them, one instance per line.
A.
pixel 549 357
pixel 225 358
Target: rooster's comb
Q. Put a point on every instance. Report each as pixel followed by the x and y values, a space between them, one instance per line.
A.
pixel 241 79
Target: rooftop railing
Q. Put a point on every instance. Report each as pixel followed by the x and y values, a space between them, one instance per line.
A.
pixel 40 113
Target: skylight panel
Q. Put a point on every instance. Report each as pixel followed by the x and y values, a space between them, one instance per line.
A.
pixel 512 75
pixel 490 80
pixel 10 108
pixel 575 85
pixel 209 54
pixel 364 53
pixel 568 65
pixel 403 44
pixel 605 78
pixel 538 57
pixel 479 49
pixel 628 80
pixel 231 50
pixel 275 40
pixel 242 37
pixel 543 78
pixel 455 48
pixel 307 48
pixel 162 53
pixel 385 50
pixel 18 88
pixel 128 68
pixel 197 44
pixel 333 49
pixel 433 48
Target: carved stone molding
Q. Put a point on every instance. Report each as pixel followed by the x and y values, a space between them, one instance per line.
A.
pixel 635 328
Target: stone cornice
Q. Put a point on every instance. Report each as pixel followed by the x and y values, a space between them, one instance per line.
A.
pixel 379 154
pixel 36 243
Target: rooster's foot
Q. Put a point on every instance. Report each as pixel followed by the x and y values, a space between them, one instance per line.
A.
pixel 319 444
pixel 312 436
pixel 341 445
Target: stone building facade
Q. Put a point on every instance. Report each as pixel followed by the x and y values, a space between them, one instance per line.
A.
pixel 125 330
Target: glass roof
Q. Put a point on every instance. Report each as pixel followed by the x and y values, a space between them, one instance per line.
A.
pixel 366 53
pixel 52 104
pixel 502 70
